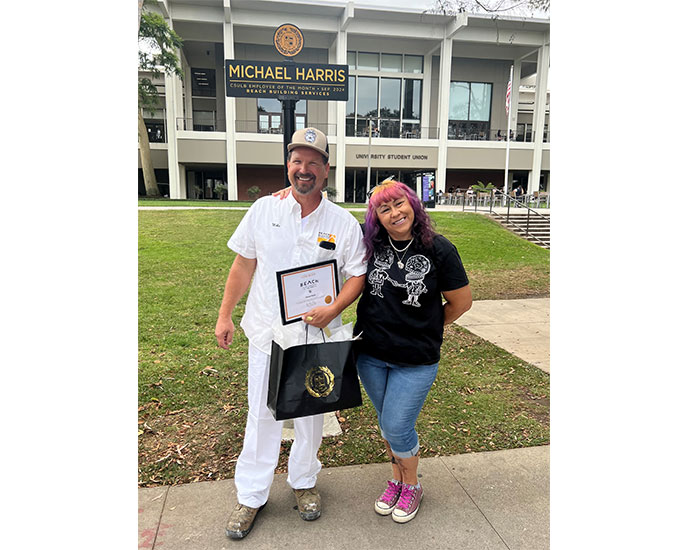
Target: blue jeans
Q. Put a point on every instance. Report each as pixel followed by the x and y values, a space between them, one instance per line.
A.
pixel 398 393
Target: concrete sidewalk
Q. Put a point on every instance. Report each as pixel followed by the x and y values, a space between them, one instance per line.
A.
pixel 478 501
pixel 519 326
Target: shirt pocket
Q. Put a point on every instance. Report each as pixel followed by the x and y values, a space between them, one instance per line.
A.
pixel 325 254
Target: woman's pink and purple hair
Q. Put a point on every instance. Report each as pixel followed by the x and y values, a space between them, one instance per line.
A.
pixel 375 234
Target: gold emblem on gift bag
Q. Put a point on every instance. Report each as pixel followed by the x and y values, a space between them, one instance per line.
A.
pixel 319 381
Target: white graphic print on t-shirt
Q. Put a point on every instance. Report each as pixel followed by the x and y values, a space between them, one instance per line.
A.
pixel 417 266
pixel 377 277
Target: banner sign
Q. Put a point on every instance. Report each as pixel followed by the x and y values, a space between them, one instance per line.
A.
pixel 287 80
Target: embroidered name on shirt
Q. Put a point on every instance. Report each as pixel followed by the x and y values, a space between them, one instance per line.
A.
pixel 275 224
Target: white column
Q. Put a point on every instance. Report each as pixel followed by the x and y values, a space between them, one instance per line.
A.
pixel 427 92
pixel 443 112
pixel 230 113
pixel 188 103
pixel 172 111
pixel 182 182
pixel 539 116
pixel 340 173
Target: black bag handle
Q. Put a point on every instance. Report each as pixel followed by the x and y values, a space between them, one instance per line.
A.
pixel 321 332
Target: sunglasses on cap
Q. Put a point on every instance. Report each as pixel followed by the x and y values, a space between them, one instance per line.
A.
pixel 380 186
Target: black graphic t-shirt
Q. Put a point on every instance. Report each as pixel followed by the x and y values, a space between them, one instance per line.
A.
pixel 400 311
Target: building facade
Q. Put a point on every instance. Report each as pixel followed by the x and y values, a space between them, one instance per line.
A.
pixel 426 98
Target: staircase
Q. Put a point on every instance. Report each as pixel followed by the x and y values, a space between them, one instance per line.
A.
pixel 538 226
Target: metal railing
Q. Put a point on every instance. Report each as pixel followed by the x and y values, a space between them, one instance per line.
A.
pixel 485 200
pixel 519 204
pixel 426 132
pixel 492 135
pixel 215 125
pixel 253 127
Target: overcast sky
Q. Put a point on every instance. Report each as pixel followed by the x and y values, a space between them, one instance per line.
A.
pixel 419 4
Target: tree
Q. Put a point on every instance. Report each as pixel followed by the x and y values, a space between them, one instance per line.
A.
pixel 503 7
pixel 158 45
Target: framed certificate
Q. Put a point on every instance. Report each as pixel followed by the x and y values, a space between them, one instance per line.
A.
pixel 302 288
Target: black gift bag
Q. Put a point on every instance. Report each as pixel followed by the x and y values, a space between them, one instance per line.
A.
pixel 312 379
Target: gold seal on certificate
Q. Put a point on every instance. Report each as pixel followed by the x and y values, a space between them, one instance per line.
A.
pixel 302 288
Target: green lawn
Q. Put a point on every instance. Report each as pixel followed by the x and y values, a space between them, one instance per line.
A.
pixel 192 394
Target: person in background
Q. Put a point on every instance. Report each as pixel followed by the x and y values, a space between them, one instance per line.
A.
pixel 402 323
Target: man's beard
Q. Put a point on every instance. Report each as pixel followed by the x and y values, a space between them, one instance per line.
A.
pixel 304 187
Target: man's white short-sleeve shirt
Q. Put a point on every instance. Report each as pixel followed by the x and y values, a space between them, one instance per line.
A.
pixel 272 232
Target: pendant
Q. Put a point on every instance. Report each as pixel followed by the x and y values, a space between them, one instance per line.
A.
pixel 400 264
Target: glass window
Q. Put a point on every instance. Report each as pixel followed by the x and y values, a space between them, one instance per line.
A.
pixel 362 127
pixel 459 94
pixel 203 82
pixel 351 60
pixel 390 97
pixel 389 102
pixel 481 96
pixel 300 107
pixel 412 99
pixel 391 62
pixel 269 105
pixel 413 64
pixel 367 97
pixel 351 102
pixel 411 130
pixel 350 126
pixel 368 61
pixel 263 124
pixel 388 128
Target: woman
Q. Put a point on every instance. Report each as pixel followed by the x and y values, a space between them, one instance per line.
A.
pixel 402 317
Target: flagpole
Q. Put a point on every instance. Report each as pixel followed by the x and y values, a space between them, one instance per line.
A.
pixel 508 131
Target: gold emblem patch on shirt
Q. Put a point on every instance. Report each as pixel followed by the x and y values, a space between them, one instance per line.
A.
pixel 326 237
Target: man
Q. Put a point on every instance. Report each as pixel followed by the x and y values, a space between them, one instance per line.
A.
pixel 275 235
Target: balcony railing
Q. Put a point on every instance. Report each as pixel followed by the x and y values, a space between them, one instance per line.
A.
pixel 215 125
pixel 415 133
pixel 494 135
pixel 254 127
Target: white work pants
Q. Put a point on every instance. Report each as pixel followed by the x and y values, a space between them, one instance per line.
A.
pixel 256 465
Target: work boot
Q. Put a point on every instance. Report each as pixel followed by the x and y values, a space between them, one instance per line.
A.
pixel 308 501
pixel 241 521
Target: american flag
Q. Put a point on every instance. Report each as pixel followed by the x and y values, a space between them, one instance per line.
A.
pixel 508 97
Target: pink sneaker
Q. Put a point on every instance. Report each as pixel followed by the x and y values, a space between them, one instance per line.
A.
pixel 408 503
pixel 387 500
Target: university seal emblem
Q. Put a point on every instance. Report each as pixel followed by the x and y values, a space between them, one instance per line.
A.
pixel 288 40
pixel 319 381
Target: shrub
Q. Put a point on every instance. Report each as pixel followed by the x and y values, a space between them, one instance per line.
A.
pixel 331 193
pixel 253 192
